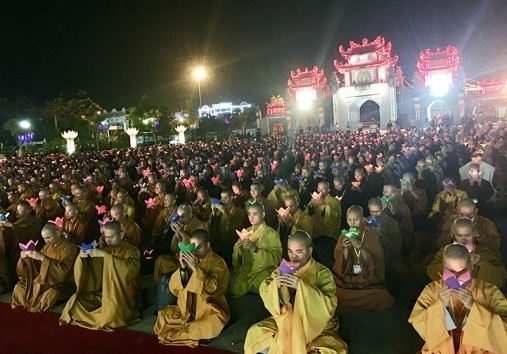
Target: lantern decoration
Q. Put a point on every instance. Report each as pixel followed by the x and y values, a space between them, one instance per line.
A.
pixel 132 132
pixel 181 133
pixel 70 136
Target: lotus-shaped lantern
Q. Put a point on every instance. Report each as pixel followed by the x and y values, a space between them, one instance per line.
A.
pixel 244 234
pixel 288 267
pixel 58 222
pixel 101 209
pixel 29 246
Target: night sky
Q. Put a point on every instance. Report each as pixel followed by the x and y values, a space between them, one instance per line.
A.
pixel 118 50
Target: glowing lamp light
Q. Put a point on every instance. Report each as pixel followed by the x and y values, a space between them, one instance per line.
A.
pixel 70 136
pixel 439 85
pixel 199 73
pixel 25 124
pixel 132 132
pixel 305 105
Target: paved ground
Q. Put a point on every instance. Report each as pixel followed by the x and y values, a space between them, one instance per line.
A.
pixel 365 332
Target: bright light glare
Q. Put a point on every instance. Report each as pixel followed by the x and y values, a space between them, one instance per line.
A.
pixel 199 73
pixel 439 85
pixel 25 124
pixel 305 105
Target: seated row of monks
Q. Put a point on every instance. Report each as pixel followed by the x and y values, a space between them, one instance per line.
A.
pixel 102 281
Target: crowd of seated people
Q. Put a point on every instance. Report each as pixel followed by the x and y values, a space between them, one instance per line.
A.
pixel 314 223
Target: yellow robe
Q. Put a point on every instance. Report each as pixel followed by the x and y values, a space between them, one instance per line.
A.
pixel 450 201
pixel 327 218
pixel 57 195
pixel 485 328
pixel 43 283
pixel 277 196
pixel 132 232
pixel 491 269
pixel 203 212
pixel 161 223
pixel 294 328
pixel 223 230
pixel 168 263
pixel 252 268
pixel 301 221
pixel 202 310
pixel 106 296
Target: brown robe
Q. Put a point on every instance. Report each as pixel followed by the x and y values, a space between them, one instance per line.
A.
pixel 75 230
pixel 43 283
pixel 168 263
pixel 223 230
pixel 365 290
pixel 132 232
pixel 90 217
pixel 488 234
pixel 47 210
pixel 202 310
pixel 417 206
pixel 162 223
pixel 490 270
pixel 106 296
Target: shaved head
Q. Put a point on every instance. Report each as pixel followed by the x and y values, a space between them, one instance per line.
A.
pixel 257 206
pixel 466 203
pixel 463 223
pixel 201 235
pixel 114 226
pixel 356 209
pixel 301 236
pixel 456 252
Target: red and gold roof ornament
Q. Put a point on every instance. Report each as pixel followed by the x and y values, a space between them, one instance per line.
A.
pixel 366 54
pixel 312 81
pixel 446 60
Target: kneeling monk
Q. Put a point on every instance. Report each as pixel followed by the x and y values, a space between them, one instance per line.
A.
pixel 106 288
pixel 359 266
pixel 45 277
pixel 459 314
pixel 200 286
pixel 255 255
pixel 301 297
pixel 485 265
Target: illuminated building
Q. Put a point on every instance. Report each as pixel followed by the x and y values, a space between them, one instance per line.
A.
pixel 363 87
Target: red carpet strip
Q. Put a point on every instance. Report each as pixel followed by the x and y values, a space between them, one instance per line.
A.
pixel 24 332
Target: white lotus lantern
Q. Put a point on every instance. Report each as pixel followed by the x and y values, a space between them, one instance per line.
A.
pixel 181 133
pixel 70 136
pixel 132 132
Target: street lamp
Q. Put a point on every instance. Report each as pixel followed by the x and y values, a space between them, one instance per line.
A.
pixel 25 124
pixel 199 74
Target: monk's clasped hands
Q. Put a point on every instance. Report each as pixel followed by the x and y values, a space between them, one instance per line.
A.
pixel 95 252
pixel 288 280
pixel 464 295
pixel 34 255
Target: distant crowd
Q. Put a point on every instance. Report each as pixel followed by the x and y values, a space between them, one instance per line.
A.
pixel 334 219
